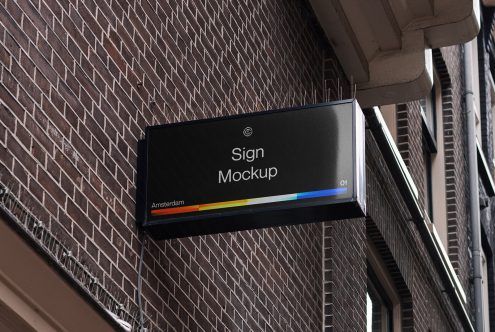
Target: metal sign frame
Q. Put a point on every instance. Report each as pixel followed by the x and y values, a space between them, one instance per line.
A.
pixel 182 220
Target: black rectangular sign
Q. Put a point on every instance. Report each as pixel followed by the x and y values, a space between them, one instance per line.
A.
pixel 255 170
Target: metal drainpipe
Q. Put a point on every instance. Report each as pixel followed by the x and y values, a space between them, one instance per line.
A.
pixel 474 190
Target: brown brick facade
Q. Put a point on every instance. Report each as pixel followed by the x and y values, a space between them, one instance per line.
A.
pixel 455 161
pixel 80 80
pixel 394 233
pixel 345 275
pixel 448 65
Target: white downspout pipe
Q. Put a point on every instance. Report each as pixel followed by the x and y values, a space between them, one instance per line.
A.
pixel 473 188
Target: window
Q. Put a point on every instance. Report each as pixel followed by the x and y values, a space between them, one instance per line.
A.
pixel 382 300
pixel 430 112
pixel 486 294
pixel 473 46
pixel 434 159
pixel 378 307
pixel 428 185
pixel 389 113
pixel 492 99
pixel 429 119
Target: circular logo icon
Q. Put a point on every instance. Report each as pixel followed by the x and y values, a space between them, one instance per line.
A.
pixel 248 131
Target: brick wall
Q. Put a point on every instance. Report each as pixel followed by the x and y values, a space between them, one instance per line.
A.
pixel 81 79
pixel 448 62
pixel 410 143
pixel 390 227
pixel 344 242
pixel 79 82
pixel 345 275
pixel 456 170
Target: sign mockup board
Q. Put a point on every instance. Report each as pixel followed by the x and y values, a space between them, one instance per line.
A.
pixel 255 170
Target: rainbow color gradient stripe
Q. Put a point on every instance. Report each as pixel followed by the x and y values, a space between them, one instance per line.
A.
pixel 248 201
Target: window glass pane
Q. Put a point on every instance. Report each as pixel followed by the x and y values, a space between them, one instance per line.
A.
pixel 431 112
pixel 369 313
pixel 378 311
pixel 428 105
pixel 428 185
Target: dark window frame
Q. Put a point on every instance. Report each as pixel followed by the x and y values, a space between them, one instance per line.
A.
pixel 376 292
pixel 429 119
pixel 429 131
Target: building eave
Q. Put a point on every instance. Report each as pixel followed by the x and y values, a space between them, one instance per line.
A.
pixel 382 44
